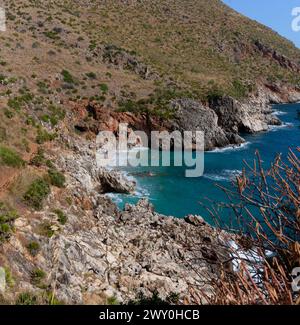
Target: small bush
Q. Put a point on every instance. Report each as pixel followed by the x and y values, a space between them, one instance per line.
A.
pixel 33 248
pixel 26 298
pixel 53 300
pixel 7 218
pixel 10 158
pixel 55 115
pixel 8 277
pixel 43 136
pixel 49 164
pixel 239 90
pixel 56 178
pixel 91 75
pixel 52 35
pixel 8 113
pixel 67 77
pixel 37 193
pixel 37 276
pixel 104 88
pixel 61 217
pixel 38 160
pixel 112 301
pixel 17 103
pixel 46 229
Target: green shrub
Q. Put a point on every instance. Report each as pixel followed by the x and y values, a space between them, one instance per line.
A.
pixel 43 136
pixel 36 193
pixel 10 158
pixel 37 276
pixel 33 248
pixel 52 35
pixel 132 106
pixel 26 298
pixel 38 160
pixel 240 90
pixel 51 299
pixel 46 229
pixel 8 113
pixel 8 277
pixel 67 77
pixel 56 178
pixel 55 115
pixel 61 217
pixel 30 121
pixel 91 75
pixel 112 301
pixel 92 45
pixel 49 164
pixel 18 102
pixel 214 93
pixel 104 88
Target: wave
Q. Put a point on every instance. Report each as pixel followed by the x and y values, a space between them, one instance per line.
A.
pixel 141 193
pixel 279 113
pixel 226 175
pixel 273 128
pixel 231 148
pixel 251 257
pixel 115 198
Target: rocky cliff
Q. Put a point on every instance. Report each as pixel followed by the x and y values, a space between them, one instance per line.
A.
pixel 103 254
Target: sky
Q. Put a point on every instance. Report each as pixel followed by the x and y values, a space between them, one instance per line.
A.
pixel 276 14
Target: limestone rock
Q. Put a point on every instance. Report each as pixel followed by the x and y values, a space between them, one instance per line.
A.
pixel 2 280
pixel 114 181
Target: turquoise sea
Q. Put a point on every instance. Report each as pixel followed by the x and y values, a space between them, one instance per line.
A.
pixel 173 194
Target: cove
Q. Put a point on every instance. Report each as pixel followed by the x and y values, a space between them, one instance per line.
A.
pixel 172 193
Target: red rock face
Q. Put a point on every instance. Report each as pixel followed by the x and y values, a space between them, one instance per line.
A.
pixel 92 117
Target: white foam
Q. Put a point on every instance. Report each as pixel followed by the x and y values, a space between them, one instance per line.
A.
pixel 231 148
pixel 115 198
pixel 273 128
pixel 141 193
pixel 226 175
pixel 279 113
pixel 254 260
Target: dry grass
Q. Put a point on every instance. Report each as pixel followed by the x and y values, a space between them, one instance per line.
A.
pixel 265 210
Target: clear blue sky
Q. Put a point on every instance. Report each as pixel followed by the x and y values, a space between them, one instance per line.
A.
pixel 273 13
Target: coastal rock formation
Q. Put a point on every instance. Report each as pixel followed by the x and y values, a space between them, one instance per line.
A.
pixel 138 251
pixel 253 114
pixel 84 169
pixel 221 120
pixel 102 253
pixel 113 181
pixel 192 116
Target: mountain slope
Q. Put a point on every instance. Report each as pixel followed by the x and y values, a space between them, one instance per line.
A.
pixel 69 69
pixel 203 44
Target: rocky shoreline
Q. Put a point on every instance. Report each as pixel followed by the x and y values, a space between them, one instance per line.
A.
pixel 222 120
pixel 104 254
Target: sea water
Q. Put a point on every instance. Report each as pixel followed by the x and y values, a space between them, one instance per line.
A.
pixel 172 193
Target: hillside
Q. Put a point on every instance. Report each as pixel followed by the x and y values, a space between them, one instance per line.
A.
pixel 69 69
